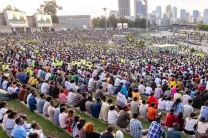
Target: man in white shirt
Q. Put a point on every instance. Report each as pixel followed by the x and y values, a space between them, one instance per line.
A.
pixel 62 117
pixel 177 95
pixel 4 84
pixel 143 108
pixel 10 89
pixel 45 87
pixel 148 90
pixel 157 81
pixel 111 89
pixel 51 110
pixel 112 115
pixel 67 84
pixel 48 75
pixel 141 88
pixel 117 81
pixel 70 96
pixel 185 98
pixel 188 109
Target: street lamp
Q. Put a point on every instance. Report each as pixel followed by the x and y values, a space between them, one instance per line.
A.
pixel 118 23
pixel 147 46
pixel 105 9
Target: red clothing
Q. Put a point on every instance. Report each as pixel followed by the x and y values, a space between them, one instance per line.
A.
pixel 148 67
pixel 65 92
pixel 180 122
pixel 170 119
pixel 152 99
pixel 201 87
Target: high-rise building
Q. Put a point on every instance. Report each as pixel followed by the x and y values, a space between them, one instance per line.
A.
pixel 205 20
pixel 168 9
pixel 124 8
pixel 158 12
pixel 188 16
pixel 183 14
pixel 170 15
pixel 195 13
pixel 138 8
pixel 144 10
pixel 175 12
pixel 164 15
pixel 114 12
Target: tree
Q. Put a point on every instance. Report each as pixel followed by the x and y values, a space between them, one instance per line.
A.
pixel 50 7
pixel 9 8
pixel 112 21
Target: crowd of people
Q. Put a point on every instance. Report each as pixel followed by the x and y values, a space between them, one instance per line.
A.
pixel 167 89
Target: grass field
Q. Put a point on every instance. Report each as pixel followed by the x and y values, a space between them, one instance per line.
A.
pixel 3 133
pixel 49 129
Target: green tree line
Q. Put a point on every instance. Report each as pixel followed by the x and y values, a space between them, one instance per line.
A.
pixel 99 22
pixel 202 27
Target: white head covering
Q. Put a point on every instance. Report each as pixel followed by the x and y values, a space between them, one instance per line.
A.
pixel 119 134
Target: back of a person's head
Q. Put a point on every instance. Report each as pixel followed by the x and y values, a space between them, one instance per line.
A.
pixel 110 101
pixel 33 135
pixel 136 90
pixel 135 115
pixel 89 98
pixel 98 99
pixel 2 104
pixel 144 102
pixel 119 134
pixel 62 109
pixel 152 93
pixel 135 98
pixel 190 101
pixel 110 129
pixel 49 98
pixel 153 104
pixel 192 115
pixel 203 136
pixel 89 127
pixel 12 114
pixel 112 107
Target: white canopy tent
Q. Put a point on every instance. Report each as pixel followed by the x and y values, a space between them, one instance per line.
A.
pixel 166 47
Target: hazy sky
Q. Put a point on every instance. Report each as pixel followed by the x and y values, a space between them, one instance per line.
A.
pixel 94 7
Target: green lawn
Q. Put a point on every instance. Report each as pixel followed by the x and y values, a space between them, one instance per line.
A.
pixel 3 133
pixel 49 129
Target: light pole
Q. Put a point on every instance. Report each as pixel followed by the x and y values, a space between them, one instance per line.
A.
pixel 118 23
pixel 147 46
pixel 105 9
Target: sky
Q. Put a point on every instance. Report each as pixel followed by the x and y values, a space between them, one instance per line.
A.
pixel 94 7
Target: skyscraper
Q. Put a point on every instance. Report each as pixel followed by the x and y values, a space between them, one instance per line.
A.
pixel 114 12
pixel 158 12
pixel 205 20
pixel 124 8
pixel 183 14
pixel 144 10
pixel 138 8
pixel 168 9
pixel 195 13
pixel 175 12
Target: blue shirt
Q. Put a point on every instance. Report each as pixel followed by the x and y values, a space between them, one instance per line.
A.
pixel 40 105
pixel 193 93
pixel 124 91
pixel 178 109
pixel 154 130
pixel 204 112
pixel 135 128
pixel 174 134
pixel 56 116
pixel 32 103
pixel 19 132
pixel 96 109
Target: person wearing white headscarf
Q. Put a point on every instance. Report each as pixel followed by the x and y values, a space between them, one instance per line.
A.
pixel 119 134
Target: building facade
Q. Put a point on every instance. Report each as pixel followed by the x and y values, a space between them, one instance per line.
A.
pixel 138 8
pixel 158 12
pixel 76 21
pixel 114 12
pixel 168 9
pixel 205 20
pixel 124 8
pixel 195 13
pixel 175 12
pixel 183 14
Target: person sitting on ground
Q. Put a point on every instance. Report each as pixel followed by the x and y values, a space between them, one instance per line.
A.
pixel 69 120
pixel 204 111
pixel 19 131
pixel 99 92
pixel 151 114
pixel 136 127
pixel 62 117
pixel 152 99
pixel 143 109
pixel 124 118
pixel 174 133
pixel 51 110
pixel 177 106
pixel 141 88
pixel 170 118
pixel 70 96
pixel 56 115
pixel 190 124
pixel 75 131
pixel 46 105
pixel 109 133
pixel 33 135
pixel 96 108
pixel 89 130
pixel 197 101
pixel 25 118
pixel 3 109
pixel 177 95
pixel 40 103
pixel 188 109
pixel 168 104
pixel 10 124
pixel 162 102
pixel 134 106
pixel 121 101
pixel 80 127
pixel 82 102
pixel 185 98
pixel 76 98
pixel 88 105
pixel 179 119
pixel 202 127
pixel 5 118
pixel 33 101
pixel 136 94
pixel 155 130
pixel 158 92
pixel 26 98
pixel 62 96
pixel 55 90
pixel 104 109
pixel 35 127
pixel 112 115
pixel 21 93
